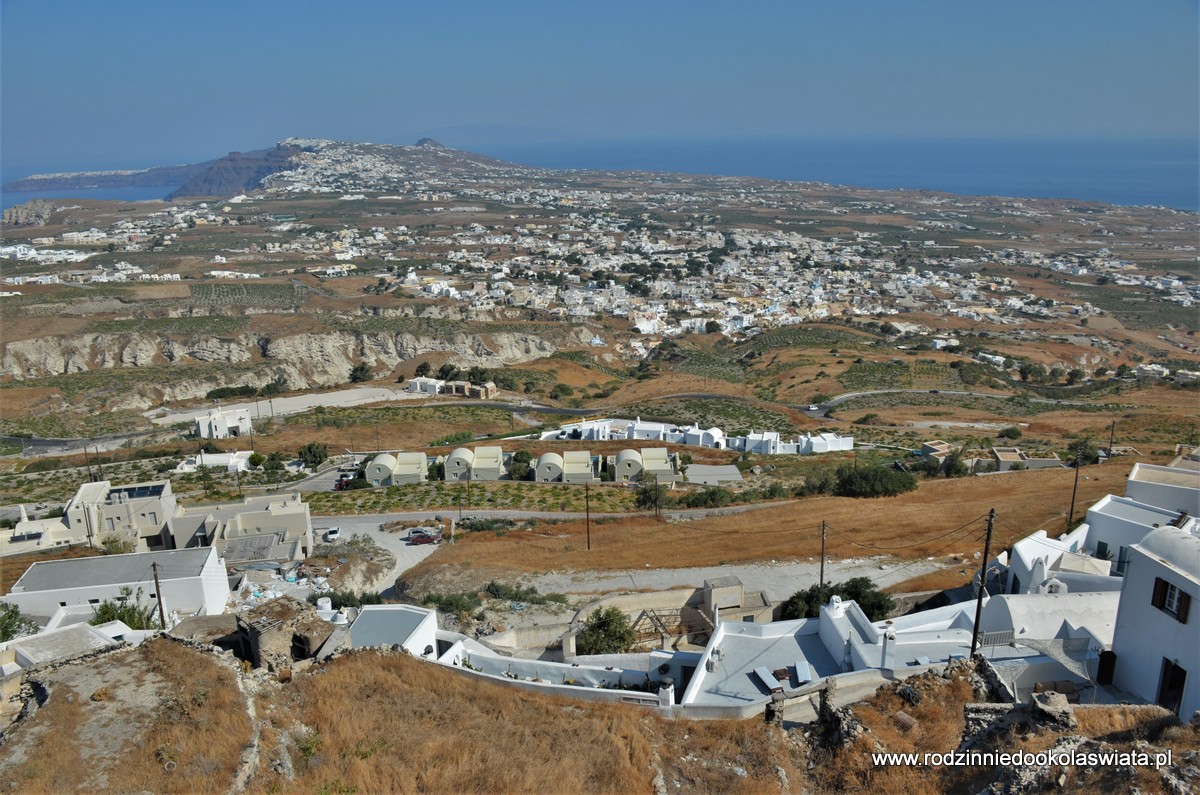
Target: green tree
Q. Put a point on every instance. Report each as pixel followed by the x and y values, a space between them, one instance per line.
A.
pixel 477 375
pixel 1011 432
pixel 256 460
pixel 423 369
pixel 1083 451
pixel 649 495
pixel 872 481
pixel 1075 375
pixel 712 327
pixel 313 454
pixel 448 372
pixel 13 624
pixel 954 465
pixel 361 372
pixel 606 631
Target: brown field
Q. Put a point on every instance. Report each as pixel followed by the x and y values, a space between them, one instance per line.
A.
pixel 942 518
pixel 419 728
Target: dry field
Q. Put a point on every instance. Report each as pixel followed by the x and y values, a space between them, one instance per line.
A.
pixel 418 728
pixel 942 518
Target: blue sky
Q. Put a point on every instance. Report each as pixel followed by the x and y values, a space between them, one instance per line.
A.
pixel 114 84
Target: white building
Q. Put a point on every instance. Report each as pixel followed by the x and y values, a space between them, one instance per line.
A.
pixel 237 461
pixel 549 468
pixel 193 581
pixel 1156 642
pixel 223 423
pixel 428 386
pixel 388 469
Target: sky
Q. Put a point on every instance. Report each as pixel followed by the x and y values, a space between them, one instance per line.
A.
pixel 131 84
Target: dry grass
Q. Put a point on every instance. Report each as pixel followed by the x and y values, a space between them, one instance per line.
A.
pixel 388 723
pixel 201 725
pixel 908 527
pixel 160 703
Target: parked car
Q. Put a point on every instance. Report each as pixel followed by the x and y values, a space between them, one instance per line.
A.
pixel 419 535
pixel 333 534
pixel 814 407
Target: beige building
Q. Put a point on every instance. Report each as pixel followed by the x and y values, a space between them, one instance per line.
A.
pixel 577 467
pixel 488 464
pixel 397 469
pixel 657 463
pixel 258 528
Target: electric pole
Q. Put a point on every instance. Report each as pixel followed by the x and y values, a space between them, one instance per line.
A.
pixel 587 513
pixel 1112 432
pixel 822 580
pixel 656 493
pixel 983 569
pixel 1074 491
pixel 162 613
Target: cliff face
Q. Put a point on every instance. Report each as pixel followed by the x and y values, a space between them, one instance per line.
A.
pixel 304 360
pixel 236 172
pixel 159 176
pixel 32 213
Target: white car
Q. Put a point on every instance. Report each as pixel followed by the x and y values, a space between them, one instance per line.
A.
pixel 814 407
pixel 333 534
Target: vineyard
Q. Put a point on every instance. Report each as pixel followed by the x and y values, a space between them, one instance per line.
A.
pixel 900 375
pixel 806 337
pixel 219 325
pixel 280 296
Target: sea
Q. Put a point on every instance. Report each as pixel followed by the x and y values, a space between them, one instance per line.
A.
pixel 1135 171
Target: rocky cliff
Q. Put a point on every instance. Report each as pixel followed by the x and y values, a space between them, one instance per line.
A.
pixel 236 172
pixel 303 360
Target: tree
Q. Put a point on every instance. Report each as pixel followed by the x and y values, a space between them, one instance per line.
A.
pixel 13 624
pixel 519 470
pixel 274 462
pixel 1011 432
pixel 685 461
pixel 1075 375
pixel 256 460
pixel 1083 451
pixel 361 372
pixel 712 327
pixel 872 481
pixel 1029 371
pixel 649 495
pixel 955 466
pixel 448 372
pixel 423 369
pixel 210 448
pixel 272 389
pixel 606 631
pixel 862 590
pixel 313 454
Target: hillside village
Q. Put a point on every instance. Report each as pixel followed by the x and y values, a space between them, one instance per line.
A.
pixel 649 390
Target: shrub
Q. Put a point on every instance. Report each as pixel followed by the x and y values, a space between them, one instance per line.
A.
pixel 361 372
pixel 606 631
pixel 127 608
pixel 13 624
pixel 313 454
pixel 1011 432
pixel 340 599
pixel 807 603
pixel 872 481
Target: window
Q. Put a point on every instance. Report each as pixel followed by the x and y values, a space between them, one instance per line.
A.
pixel 1171 599
pixel 93 601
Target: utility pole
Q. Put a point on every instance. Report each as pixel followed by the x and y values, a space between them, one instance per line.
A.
pixel 822 580
pixel 99 461
pixel 587 513
pixel 1112 432
pixel 1074 491
pixel 983 570
pixel 162 613
pixel 656 493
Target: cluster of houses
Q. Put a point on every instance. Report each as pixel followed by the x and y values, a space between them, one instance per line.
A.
pixel 1102 613
pixel 758 442
pixel 489 463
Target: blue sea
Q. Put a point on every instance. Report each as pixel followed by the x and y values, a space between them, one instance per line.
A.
pixel 1160 171
pixel 1151 171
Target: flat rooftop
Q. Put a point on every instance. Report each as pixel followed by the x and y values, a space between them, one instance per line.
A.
pixel 713 475
pixel 1167 476
pixel 393 624
pixel 734 683
pixel 51 575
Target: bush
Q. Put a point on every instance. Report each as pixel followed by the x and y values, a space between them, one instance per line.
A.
pixel 223 392
pixel 807 603
pixel 313 454
pixel 606 631
pixel 1011 432
pixel 340 599
pixel 13 624
pixel 872 481
pixel 127 608
pixel 361 372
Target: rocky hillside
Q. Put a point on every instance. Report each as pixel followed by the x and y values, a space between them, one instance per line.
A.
pixel 236 172
pixel 159 176
pixel 303 360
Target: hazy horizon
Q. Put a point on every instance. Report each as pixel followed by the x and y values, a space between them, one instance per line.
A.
pixel 94 86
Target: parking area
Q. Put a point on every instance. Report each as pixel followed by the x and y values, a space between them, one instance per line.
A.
pixel 407 555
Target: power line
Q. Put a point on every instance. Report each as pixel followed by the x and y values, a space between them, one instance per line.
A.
pixel 937 551
pixel 914 544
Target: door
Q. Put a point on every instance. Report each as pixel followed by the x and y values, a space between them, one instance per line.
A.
pixel 1170 685
pixel 1108 665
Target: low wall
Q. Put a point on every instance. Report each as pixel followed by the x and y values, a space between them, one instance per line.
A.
pixel 541 636
pixel 634 603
